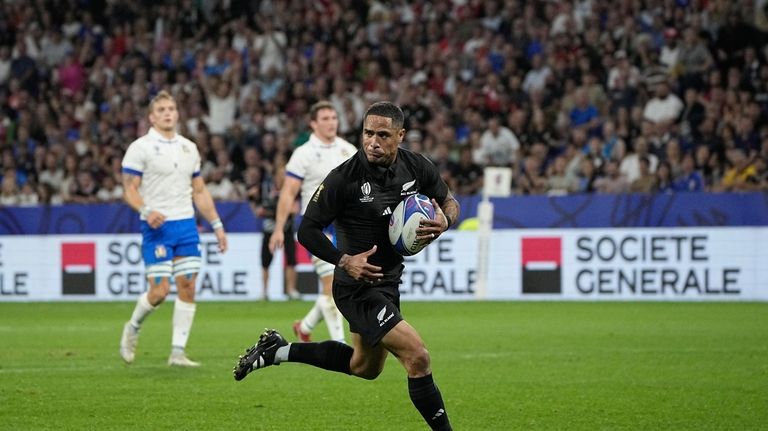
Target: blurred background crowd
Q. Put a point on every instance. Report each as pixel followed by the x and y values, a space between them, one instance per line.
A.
pixel 575 96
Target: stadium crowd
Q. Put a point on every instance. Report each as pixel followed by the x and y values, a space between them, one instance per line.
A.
pixel 574 95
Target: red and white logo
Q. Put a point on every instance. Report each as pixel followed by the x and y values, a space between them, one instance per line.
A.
pixel 542 259
pixel 78 268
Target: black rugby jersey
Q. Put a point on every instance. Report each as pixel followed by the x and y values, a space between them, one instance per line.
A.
pixel 359 198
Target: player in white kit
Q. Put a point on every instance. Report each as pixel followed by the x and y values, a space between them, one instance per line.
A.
pixel 161 179
pixel 305 171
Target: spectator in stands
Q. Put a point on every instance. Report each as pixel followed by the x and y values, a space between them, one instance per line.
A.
pixel 24 69
pixel 587 175
pixel 76 84
pixel 221 97
pixel 5 64
pixel 531 180
pixel 48 196
pixel 646 182
pixel 110 190
pixel 9 192
pixel 441 158
pixel 670 51
pixel 741 173
pixel 220 186
pixel 733 37
pixel 468 175
pixel 673 155
pixel 54 48
pixel 584 114
pixel 28 195
pixel 761 175
pixel 498 145
pixel 558 180
pixel 611 180
pixel 694 59
pixel 664 109
pixel 623 73
pixel 664 180
pixel 692 116
pixel 689 180
pixel 630 164
pixel 269 46
pixel 539 75
pixel 85 188
pixel 70 173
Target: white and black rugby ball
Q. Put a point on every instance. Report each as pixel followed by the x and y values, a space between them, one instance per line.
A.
pixel 405 220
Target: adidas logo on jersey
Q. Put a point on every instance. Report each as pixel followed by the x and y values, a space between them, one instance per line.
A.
pixel 387 211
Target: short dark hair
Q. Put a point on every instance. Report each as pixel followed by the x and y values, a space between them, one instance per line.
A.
pixel 388 110
pixel 317 107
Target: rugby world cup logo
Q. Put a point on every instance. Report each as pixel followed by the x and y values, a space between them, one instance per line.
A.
pixel 366 189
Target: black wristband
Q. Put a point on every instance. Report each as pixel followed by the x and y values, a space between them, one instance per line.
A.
pixel 448 219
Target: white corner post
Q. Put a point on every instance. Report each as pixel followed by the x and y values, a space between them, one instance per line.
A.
pixel 497 182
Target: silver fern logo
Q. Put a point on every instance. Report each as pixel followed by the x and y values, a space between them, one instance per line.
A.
pixel 383 320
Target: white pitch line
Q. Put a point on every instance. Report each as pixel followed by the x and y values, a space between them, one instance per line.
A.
pixel 79 369
pixel 49 328
pixel 490 355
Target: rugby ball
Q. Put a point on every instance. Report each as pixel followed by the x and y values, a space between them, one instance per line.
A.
pixel 405 220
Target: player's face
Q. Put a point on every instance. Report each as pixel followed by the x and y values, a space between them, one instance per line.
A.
pixel 325 125
pixel 164 115
pixel 380 140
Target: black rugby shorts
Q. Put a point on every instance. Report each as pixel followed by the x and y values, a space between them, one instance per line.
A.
pixel 371 310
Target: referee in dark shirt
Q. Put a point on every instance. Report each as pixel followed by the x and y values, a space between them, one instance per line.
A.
pixel 358 197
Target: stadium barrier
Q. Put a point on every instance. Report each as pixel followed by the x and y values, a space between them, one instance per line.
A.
pixel 572 211
pixel 663 261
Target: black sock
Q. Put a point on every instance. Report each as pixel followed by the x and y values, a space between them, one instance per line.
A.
pixel 426 397
pixel 329 355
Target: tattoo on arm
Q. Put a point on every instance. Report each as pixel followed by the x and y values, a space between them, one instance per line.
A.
pixel 451 210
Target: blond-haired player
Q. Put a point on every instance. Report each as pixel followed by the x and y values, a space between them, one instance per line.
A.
pixel 161 180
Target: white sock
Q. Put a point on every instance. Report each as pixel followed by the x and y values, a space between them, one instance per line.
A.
pixel 281 355
pixel 333 318
pixel 142 310
pixel 313 317
pixel 183 315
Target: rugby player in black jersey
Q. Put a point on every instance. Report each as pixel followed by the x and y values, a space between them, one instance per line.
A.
pixel 358 197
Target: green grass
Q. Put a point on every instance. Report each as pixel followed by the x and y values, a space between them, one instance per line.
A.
pixel 499 365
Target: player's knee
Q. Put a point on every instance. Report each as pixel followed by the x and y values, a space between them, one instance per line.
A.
pixel 366 368
pixel 158 275
pixel 418 362
pixel 367 373
pixel 158 292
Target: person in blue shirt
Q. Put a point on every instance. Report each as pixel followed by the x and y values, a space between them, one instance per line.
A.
pixel 689 180
pixel 584 114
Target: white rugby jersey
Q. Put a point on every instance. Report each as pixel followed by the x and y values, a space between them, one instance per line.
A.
pixel 312 162
pixel 166 168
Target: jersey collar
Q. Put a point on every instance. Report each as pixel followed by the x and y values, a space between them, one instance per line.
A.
pixel 315 140
pixel 377 172
pixel 156 135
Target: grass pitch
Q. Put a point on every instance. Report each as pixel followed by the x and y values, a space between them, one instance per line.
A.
pixel 499 365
